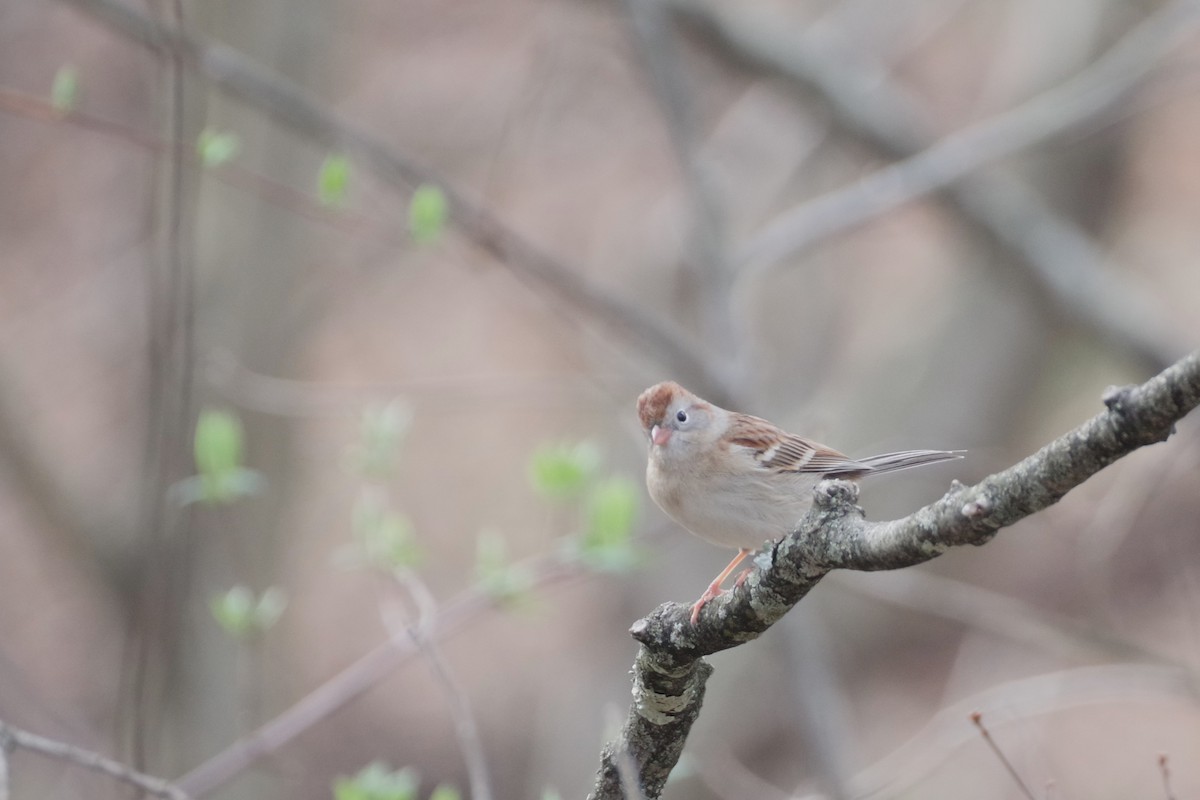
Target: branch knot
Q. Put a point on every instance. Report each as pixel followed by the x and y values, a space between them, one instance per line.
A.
pixel 836 496
pixel 1116 397
pixel 978 508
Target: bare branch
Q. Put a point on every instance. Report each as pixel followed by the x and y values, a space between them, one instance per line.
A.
pixel 360 676
pixel 421 632
pixel 669 672
pixel 655 37
pixel 348 221
pixel 4 748
pixel 1094 91
pixel 925 592
pixel 12 738
pixel 1066 267
pixel 899 772
pixel 977 719
pixel 1165 770
pixel 291 105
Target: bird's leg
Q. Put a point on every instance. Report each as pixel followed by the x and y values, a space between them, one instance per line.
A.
pixel 714 588
pixel 741 578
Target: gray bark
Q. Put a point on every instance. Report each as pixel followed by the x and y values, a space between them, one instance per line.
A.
pixel 670 671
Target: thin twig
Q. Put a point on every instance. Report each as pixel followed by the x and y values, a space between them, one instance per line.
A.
pixel 5 746
pixel 357 678
pixel 1094 91
pixel 656 42
pixel 12 738
pixel 977 719
pixel 422 633
pixel 901 771
pixel 1165 770
pixel 926 592
pixel 1063 262
pixel 291 105
pixel 295 201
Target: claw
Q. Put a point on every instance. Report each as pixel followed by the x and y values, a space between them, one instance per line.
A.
pixel 714 589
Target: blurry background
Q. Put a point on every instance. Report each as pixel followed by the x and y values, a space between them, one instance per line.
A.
pixel 678 190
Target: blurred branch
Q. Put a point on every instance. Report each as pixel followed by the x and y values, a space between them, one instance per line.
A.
pixel 294 200
pixel 170 358
pixel 12 739
pixel 1094 91
pixel 936 595
pixel 727 777
pixel 421 633
pixel 63 518
pixel 1061 259
pixel 291 105
pixel 352 682
pixel 657 44
pixel 670 671
pixel 897 773
pixel 1165 771
pixel 977 718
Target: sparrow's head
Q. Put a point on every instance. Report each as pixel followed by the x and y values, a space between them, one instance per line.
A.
pixel 669 412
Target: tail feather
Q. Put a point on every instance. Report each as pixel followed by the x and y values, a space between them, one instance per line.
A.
pixel 904 459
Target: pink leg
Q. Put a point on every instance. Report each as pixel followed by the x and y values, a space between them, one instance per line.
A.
pixel 714 588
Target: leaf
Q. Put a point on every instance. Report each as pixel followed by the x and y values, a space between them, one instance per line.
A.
pixel 347 789
pixel 385 537
pixel 381 433
pixel 427 211
pixel 446 791
pixel 559 471
pixel 611 511
pixel 64 92
pixel 333 180
pixel 217 450
pixel 187 491
pixel 216 148
pixel 496 576
pixel 218 443
pixel 218 489
pixel 234 610
pixel 242 615
pixel 377 782
pixel 271 605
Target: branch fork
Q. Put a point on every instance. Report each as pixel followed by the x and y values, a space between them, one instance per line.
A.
pixel 670 671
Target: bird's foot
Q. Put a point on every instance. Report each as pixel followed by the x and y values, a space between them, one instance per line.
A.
pixel 714 590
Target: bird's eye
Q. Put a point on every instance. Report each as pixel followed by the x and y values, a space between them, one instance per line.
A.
pixel 681 415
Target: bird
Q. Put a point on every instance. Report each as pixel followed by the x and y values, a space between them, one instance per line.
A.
pixel 737 480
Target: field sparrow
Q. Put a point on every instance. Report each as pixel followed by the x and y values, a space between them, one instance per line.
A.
pixel 737 480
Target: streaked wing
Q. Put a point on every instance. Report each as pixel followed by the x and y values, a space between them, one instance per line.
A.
pixel 776 449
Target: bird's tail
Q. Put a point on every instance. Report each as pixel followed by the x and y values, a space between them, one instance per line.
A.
pixel 904 459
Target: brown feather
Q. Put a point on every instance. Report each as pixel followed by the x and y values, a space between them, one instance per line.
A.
pixel 776 449
pixel 653 403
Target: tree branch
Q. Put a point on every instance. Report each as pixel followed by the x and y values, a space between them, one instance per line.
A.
pixel 291 105
pixel 669 673
pixel 1064 264
pixel 12 738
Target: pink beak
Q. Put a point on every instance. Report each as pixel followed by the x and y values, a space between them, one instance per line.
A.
pixel 660 435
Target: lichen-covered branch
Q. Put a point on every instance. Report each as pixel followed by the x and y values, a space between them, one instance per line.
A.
pixel 669 673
